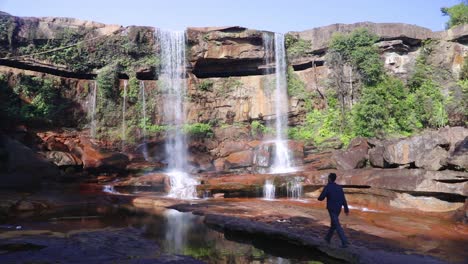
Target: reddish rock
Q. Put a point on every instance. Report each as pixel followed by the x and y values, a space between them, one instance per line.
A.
pixel 149 179
pixel 319 161
pixel 61 158
pixel 296 150
pixel 254 143
pixel 94 158
pixel 352 158
pixel 201 160
pixel 54 145
pixel 228 147
pixel 240 159
pixel 220 164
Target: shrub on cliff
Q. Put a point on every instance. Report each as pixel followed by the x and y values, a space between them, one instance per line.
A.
pixel 458 14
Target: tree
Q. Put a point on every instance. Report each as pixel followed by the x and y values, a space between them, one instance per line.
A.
pixel 383 109
pixel 458 14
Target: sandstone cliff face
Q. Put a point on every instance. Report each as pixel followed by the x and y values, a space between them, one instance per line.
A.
pixel 226 65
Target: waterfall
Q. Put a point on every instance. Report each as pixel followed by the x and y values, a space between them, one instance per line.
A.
pixel 143 123
pixel 282 160
pixel 124 105
pixel 173 83
pixel 269 190
pixel 93 110
pixel 294 188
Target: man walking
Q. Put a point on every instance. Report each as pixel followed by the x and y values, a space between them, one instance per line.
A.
pixel 335 200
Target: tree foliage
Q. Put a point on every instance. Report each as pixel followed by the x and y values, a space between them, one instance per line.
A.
pixel 357 49
pixel 458 14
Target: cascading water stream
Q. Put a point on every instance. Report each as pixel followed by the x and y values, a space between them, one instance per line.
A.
pixel 294 188
pixel 269 190
pixel 282 161
pixel 124 105
pixel 173 82
pixel 143 123
pixel 93 110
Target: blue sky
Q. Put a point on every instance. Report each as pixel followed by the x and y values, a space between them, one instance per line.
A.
pixel 273 15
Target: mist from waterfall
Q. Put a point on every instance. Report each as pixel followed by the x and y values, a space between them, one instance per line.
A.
pixel 282 160
pixel 173 84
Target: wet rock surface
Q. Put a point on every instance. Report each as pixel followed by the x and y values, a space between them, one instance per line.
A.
pixel 376 235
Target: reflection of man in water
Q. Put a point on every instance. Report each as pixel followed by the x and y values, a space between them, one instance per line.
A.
pixel 335 200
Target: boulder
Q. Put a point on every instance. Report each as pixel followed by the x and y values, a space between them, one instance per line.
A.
pixel 22 168
pixel 262 156
pixel 96 159
pixel 228 147
pixel 319 161
pixel 61 158
pixel 433 160
pixel 414 180
pixel 352 158
pixel 409 150
pixel 459 157
pixel 376 156
pixel 150 179
pixel 454 135
pixel 220 164
pixel 202 161
pixel 240 159
pixel 296 152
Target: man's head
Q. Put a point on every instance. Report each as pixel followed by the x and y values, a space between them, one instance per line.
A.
pixel 331 177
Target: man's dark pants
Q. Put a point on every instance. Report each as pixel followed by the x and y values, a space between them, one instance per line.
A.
pixel 335 225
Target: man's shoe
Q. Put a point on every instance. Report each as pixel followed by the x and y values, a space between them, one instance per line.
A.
pixel 327 240
pixel 344 245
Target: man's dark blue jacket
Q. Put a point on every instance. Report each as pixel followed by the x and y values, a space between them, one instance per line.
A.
pixel 335 198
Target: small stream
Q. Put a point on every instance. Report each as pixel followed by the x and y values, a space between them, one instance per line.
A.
pixel 124 234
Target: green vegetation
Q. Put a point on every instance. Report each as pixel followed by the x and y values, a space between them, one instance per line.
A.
pixel 384 109
pixel 133 89
pixel 227 85
pixel 205 85
pixel 458 14
pixel 7 29
pixel 358 50
pixel 295 46
pixel 257 128
pixel 31 99
pixel 199 130
pixel 377 104
pixel 81 51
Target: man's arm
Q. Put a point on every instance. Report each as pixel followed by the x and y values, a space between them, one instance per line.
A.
pixel 323 194
pixel 345 204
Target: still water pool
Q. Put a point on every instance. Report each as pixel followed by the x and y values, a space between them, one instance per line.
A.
pixel 129 235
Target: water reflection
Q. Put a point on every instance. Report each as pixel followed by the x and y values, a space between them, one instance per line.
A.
pixel 176 233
